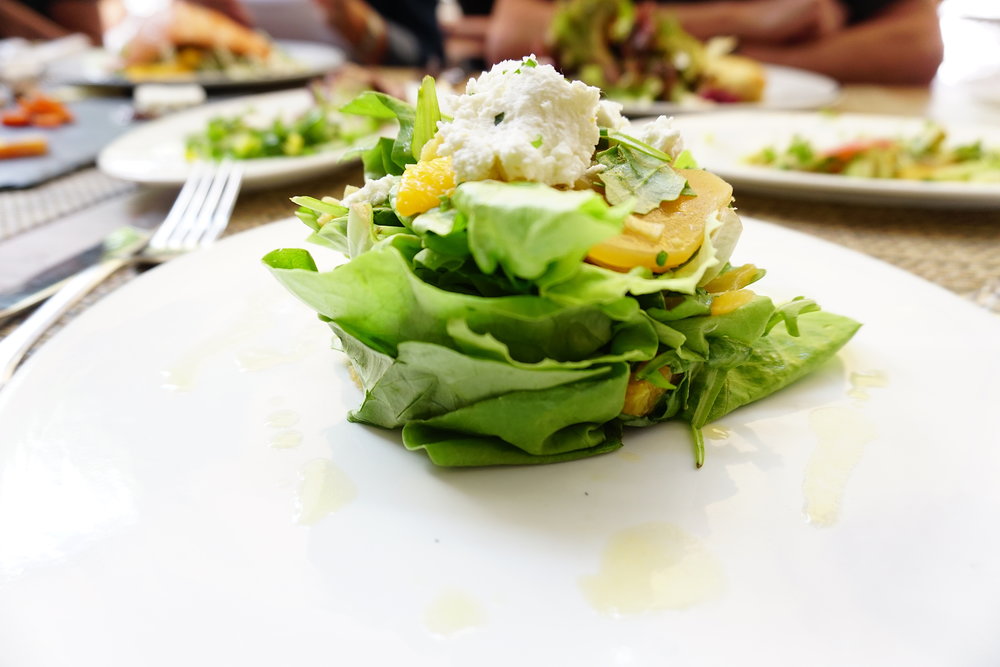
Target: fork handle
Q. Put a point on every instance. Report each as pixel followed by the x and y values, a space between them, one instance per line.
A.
pixel 18 342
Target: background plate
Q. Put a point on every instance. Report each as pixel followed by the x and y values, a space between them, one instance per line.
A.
pixel 96 67
pixel 721 142
pixel 786 88
pixel 97 121
pixel 179 486
pixel 153 153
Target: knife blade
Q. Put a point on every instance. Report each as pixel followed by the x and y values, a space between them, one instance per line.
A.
pixel 124 241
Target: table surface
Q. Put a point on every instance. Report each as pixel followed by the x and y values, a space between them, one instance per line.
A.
pixel 956 249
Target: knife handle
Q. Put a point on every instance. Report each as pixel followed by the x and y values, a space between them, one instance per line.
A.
pixel 19 341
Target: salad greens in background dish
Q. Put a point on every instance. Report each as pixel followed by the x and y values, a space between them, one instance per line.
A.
pixel 635 52
pixel 513 322
pixel 925 156
pixel 321 127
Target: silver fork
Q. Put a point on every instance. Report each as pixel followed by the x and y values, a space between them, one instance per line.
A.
pixel 198 216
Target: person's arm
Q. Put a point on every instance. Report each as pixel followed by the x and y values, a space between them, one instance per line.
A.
pixel 900 45
pixel 771 21
pixel 82 16
pixel 17 20
pixel 518 28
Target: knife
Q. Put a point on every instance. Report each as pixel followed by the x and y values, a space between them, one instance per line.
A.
pixel 42 285
pixel 126 243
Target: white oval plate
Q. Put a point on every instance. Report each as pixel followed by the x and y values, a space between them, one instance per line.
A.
pixel 722 142
pixel 786 88
pixel 97 67
pixel 179 486
pixel 153 152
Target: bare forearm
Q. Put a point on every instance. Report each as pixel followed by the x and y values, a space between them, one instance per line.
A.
pixel 19 21
pixel 518 28
pixel 81 16
pixel 902 46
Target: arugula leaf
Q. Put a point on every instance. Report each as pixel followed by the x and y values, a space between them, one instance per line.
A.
pixel 380 160
pixel 427 116
pixel 634 175
pixel 779 359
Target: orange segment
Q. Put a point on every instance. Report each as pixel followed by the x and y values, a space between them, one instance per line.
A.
pixel 423 184
pixel 641 395
pixel 727 302
pixel 671 233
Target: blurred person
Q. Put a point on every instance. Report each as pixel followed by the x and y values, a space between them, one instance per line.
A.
pixel 465 33
pixel 50 19
pixel 372 32
pixel 871 41
pixel 388 32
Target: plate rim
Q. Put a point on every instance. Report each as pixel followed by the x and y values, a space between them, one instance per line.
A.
pixel 834 90
pixel 257 171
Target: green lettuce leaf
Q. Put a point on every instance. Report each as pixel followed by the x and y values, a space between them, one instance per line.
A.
pixel 533 231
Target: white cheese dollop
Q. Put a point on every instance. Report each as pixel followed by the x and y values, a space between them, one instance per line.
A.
pixel 660 134
pixel 522 121
pixel 373 192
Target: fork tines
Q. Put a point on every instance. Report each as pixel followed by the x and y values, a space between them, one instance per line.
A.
pixel 202 209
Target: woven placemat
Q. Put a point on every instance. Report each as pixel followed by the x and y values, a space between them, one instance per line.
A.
pixel 957 249
pixel 21 210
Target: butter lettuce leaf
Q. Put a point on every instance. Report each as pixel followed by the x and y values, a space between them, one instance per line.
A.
pixel 533 231
pixel 480 331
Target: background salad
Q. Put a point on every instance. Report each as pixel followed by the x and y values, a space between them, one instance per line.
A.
pixel 925 156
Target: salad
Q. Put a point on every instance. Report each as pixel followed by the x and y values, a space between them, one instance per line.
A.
pixel 185 40
pixel 529 275
pixel 925 156
pixel 638 53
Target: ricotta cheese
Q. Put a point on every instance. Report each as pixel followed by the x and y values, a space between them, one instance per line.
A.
pixel 522 121
pixel 373 192
pixel 660 134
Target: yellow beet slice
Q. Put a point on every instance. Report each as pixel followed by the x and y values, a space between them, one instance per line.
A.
pixel 681 225
pixel 423 184
pixel 727 302
pixel 736 278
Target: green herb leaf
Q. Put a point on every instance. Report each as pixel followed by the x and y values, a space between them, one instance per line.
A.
pixel 631 174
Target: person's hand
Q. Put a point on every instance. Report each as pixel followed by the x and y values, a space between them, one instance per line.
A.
pixel 358 23
pixel 784 21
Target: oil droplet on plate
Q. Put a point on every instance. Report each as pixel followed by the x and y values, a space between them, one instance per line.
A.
pixel 629 456
pixel 651 567
pixel 452 612
pixel 716 432
pixel 324 489
pixel 861 381
pixel 285 439
pixel 842 434
pixel 282 418
pixel 259 359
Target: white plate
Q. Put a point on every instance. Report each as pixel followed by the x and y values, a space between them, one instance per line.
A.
pixel 786 88
pixel 153 152
pixel 721 142
pixel 97 67
pixel 179 486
